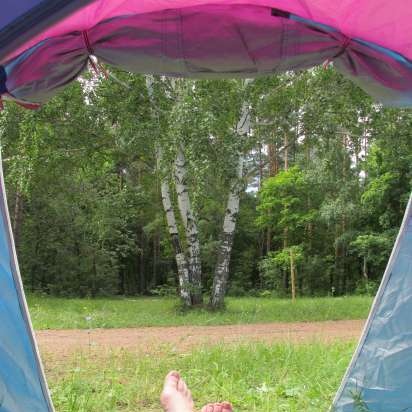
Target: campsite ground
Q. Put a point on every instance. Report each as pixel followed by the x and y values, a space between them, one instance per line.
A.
pixel 256 358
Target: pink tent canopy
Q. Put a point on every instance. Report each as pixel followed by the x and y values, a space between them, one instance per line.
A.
pixel 369 41
pixel 387 24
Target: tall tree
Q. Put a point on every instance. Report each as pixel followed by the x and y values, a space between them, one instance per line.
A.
pixel 183 269
pixel 229 224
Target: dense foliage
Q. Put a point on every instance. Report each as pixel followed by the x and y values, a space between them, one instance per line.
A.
pixel 327 176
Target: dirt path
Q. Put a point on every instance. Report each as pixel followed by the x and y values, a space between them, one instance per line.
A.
pixel 183 338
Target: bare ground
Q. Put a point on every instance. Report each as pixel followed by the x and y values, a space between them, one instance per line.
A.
pixel 61 343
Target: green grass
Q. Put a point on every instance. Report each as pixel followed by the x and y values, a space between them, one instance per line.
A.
pixel 254 377
pixel 261 378
pixel 59 313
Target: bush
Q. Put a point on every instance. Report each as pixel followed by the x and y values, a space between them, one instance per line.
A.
pixel 236 289
pixel 164 291
pixel 272 274
pixel 367 288
pixel 265 293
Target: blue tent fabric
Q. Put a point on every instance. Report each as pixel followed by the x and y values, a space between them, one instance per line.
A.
pixel 380 375
pixel 22 384
pixel 12 10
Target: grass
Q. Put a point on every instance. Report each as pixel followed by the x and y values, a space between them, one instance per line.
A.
pixel 261 378
pixel 254 377
pixel 60 313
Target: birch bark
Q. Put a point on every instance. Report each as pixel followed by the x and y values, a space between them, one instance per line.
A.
pixel 181 261
pixel 190 224
pixel 221 274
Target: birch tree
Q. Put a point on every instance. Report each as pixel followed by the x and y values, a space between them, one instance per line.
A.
pixel 181 260
pixel 192 264
pixel 190 224
pixel 229 224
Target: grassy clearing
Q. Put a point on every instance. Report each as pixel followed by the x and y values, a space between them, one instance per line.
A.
pixel 57 313
pixel 261 378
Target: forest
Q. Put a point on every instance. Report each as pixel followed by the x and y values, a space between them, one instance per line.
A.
pixel 288 186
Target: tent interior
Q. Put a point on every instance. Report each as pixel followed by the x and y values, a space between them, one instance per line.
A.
pixel 46 44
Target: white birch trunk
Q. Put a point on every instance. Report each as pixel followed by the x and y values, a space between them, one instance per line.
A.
pixel 181 261
pixel 221 274
pixel 189 222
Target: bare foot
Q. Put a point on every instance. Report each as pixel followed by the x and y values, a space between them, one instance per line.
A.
pixel 176 397
pixel 217 407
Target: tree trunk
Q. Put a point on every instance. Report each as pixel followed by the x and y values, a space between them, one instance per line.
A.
pixel 286 151
pixel 142 271
pixel 189 222
pixel 308 196
pixel 365 269
pixel 269 236
pixel 293 275
pixel 286 230
pixel 284 270
pixel 273 171
pixel 273 159
pixel 261 166
pixel 226 241
pixel 156 255
pixel 221 274
pixel 181 261
pixel 344 223
pixel 338 261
